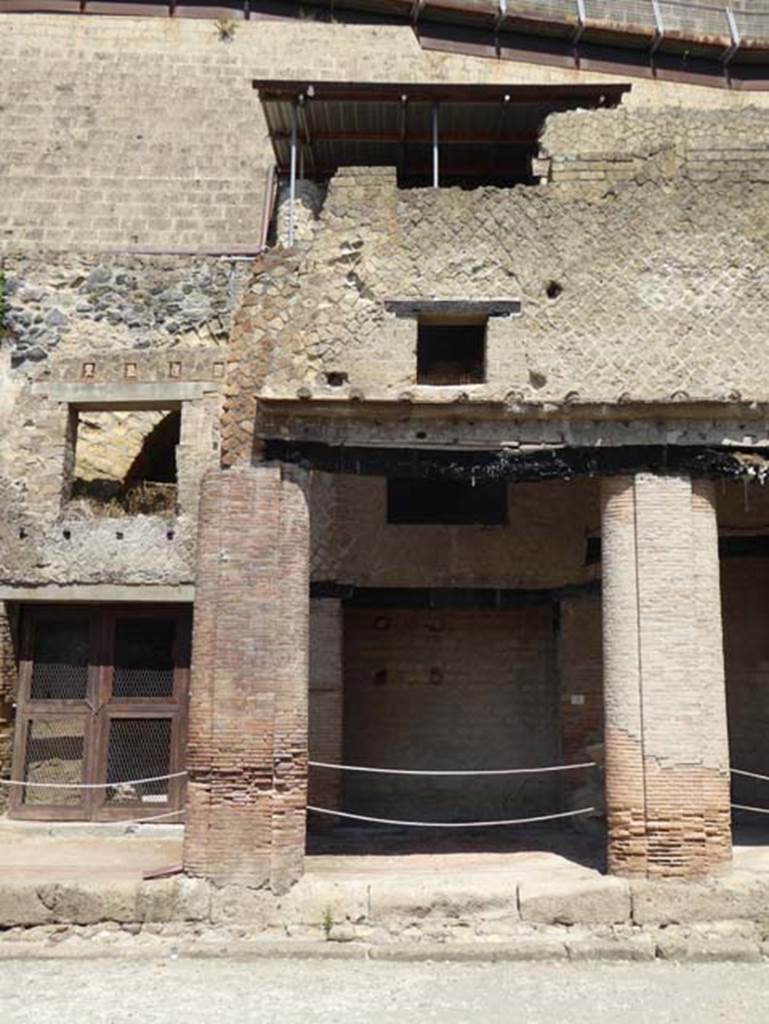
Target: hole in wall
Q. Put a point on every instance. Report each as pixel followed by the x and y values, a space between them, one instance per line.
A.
pixel 452 502
pixel 336 378
pixel 553 289
pixel 451 353
pixel 125 462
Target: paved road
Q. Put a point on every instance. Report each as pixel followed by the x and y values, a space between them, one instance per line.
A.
pixel 91 991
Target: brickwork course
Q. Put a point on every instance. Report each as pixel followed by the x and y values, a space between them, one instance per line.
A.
pixel 594 622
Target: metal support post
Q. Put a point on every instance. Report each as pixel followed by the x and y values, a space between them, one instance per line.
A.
pixel 659 27
pixel 734 32
pixel 581 20
pixel 292 178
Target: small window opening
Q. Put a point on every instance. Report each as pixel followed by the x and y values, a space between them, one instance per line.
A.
pixel 449 502
pixel 451 353
pixel 125 463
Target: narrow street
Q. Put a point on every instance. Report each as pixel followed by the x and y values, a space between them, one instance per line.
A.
pixel 116 991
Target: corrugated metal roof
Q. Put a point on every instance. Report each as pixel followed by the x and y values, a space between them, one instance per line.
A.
pixel 375 124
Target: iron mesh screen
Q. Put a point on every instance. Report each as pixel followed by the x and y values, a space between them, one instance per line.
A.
pixel 60 660
pixel 54 753
pixel 138 748
pixel 144 658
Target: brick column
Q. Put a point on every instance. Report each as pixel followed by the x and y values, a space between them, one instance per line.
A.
pixel 667 780
pixel 326 699
pixel 247 757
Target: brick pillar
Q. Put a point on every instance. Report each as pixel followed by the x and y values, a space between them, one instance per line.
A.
pixel 326 697
pixel 667 779
pixel 247 756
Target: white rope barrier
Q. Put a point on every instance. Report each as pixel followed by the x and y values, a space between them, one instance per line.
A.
pixel 497 771
pixel 750 775
pixel 755 810
pixel 141 821
pixel 16 822
pixel 449 824
pixel 90 785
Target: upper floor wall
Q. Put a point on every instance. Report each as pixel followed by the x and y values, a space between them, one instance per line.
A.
pixel 144 134
pixel 642 281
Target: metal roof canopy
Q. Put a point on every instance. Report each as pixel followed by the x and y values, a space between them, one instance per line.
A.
pixel 471 131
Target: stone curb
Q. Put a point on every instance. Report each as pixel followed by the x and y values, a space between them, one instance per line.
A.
pixel 546 950
pixel 481 952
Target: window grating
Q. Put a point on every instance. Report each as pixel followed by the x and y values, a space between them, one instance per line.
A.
pixel 60 660
pixel 144 658
pixel 138 748
pixel 54 754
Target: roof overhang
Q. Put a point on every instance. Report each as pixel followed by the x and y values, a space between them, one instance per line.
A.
pixel 392 124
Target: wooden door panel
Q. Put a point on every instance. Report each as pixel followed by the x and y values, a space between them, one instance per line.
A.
pixel 102 702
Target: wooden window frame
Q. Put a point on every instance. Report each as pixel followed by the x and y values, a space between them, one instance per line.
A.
pixel 99 708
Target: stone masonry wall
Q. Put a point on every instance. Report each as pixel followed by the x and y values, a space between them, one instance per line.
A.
pixel 675 318
pixel 124 133
pixel 85 304
pixel 745 583
pixel 580 695
pixel 46 539
pixel 124 324
pixel 596 149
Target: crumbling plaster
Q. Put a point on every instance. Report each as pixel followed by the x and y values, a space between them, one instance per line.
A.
pixel 124 332
pixel 45 540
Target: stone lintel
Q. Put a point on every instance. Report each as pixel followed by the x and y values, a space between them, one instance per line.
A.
pixel 150 395
pixel 101 592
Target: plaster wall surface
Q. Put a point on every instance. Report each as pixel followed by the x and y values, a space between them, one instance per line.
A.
pixel 580 692
pixel 543 544
pixel 450 689
pixel 325 706
pixel 745 588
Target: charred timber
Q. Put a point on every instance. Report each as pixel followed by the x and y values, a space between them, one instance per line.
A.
pixel 443 598
pixel 523 466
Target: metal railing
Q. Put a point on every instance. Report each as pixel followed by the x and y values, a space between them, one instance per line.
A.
pixel 733 24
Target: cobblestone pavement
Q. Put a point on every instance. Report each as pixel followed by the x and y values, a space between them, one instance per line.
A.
pixel 105 991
